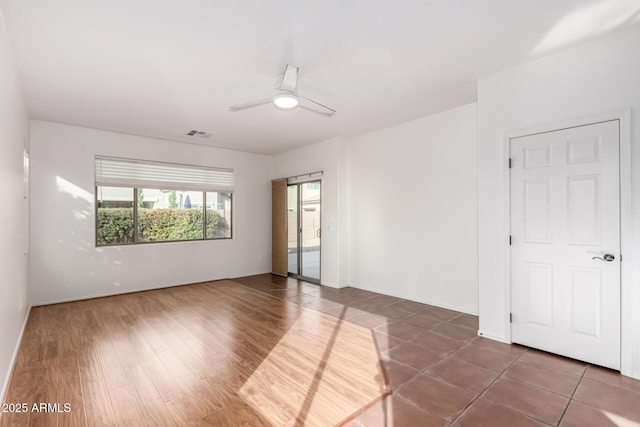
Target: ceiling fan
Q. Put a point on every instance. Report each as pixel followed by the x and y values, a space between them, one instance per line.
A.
pixel 286 97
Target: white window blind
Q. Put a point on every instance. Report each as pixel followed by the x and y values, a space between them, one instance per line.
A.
pixel 116 172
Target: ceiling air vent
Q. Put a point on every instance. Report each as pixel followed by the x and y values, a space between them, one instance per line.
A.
pixel 199 133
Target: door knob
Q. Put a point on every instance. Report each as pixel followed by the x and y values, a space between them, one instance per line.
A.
pixel 607 257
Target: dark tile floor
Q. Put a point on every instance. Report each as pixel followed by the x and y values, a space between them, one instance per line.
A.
pixel 442 374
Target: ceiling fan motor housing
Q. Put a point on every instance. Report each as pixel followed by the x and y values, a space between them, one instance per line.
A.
pixel 285 99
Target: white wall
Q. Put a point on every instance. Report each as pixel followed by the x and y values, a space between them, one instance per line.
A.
pixel 322 156
pixel 587 80
pixel 66 265
pixel 413 210
pixel 14 304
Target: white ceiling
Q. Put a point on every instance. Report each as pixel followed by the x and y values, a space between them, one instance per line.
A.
pixel 162 68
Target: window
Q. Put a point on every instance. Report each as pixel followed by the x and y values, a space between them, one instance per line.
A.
pixel 144 202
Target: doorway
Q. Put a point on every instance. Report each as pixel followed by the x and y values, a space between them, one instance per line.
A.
pixel 565 242
pixel 304 230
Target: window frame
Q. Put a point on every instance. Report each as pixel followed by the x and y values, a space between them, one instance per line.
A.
pixel 136 240
pixel 135 186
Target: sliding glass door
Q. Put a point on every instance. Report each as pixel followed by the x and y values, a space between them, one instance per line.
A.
pixel 304 235
pixel 310 229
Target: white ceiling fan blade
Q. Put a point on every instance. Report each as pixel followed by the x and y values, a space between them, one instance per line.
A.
pixel 290 79
pixel 316 107
pixel 252 104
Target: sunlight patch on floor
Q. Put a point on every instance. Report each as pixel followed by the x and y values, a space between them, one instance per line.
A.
pixel 619 420
pixel 321 372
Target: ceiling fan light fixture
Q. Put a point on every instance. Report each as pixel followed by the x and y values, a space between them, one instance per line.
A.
pixel 285 100
pixel 285 97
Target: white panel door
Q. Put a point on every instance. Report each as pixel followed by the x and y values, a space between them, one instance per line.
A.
pixel 565 217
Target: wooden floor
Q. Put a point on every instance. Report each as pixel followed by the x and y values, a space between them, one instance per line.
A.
pixel 216 353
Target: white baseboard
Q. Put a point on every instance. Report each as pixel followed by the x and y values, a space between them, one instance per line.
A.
pixel 420 300
pixel 130 291
pixel 493 337
pixel 332 285
pixel 12 364
pixel 257 273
